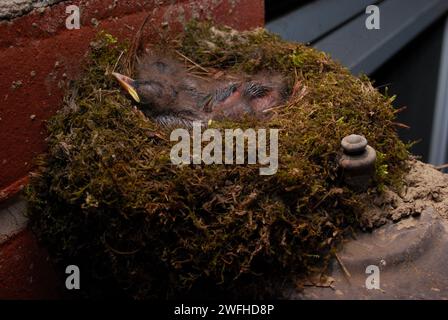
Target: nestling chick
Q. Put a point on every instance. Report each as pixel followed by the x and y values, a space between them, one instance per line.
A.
pixel 167 93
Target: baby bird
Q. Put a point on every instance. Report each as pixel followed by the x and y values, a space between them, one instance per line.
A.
pixel 169 94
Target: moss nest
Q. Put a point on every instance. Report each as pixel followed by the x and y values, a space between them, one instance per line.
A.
pixel 107 198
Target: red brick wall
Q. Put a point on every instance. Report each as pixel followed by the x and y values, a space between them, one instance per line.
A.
pixel 38 50
pixel 26 272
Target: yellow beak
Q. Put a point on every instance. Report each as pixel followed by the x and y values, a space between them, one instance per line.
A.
pixel 127 84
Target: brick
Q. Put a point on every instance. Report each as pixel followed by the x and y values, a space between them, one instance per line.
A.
pixel 25 270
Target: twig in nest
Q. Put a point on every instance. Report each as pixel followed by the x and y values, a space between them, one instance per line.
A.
pixel 401 125
pixel 443 166
pixel 273 108
pixel 400 109
pixel 319 285
pixel 135 45
pixel 191 61
pixel 198 76
pixel 347 274
pixel 118 60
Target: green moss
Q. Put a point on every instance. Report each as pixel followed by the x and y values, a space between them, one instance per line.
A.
pixel 107 198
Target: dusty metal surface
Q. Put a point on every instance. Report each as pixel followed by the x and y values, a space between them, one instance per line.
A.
pixel 411 257
pixel 10 9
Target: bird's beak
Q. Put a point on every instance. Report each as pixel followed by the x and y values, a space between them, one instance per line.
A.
pixel 127 84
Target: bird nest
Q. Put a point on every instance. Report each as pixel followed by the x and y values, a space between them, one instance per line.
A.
pixel 107 198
